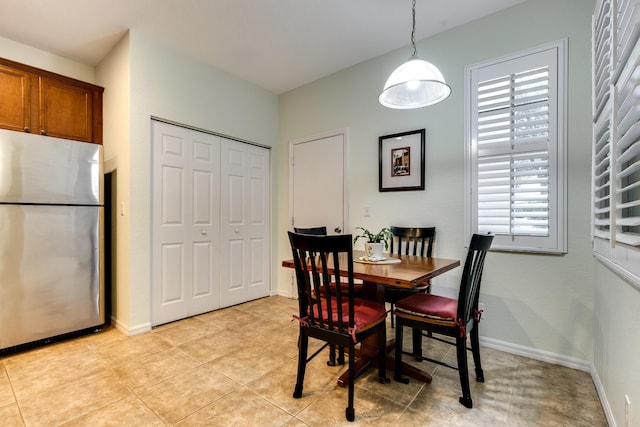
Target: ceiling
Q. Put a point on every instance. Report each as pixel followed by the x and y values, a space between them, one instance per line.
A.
pixel 276 44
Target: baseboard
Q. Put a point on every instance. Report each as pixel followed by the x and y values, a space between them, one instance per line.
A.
pixel 282 293
pixel 603 397
pixel 557 359
pixel 537 354
pixel 130 331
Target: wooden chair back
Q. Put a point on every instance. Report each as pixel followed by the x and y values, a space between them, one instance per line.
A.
pixel 471 277
pixel 317 266
pixel 316 231
pixel 412 241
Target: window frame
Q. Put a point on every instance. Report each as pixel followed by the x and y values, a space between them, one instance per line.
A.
pixel 556 241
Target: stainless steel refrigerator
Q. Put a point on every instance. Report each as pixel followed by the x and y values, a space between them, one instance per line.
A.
pixel 51 238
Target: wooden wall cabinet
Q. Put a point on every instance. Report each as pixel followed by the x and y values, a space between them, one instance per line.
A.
pixel 38 101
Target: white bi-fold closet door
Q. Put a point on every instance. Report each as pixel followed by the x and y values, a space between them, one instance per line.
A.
pixel 210 222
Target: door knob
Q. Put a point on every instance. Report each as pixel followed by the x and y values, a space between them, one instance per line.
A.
pixel 338 230
pixel 236 231
pixel 203 232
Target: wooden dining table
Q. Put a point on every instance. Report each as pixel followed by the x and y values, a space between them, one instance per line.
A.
pixel 410 272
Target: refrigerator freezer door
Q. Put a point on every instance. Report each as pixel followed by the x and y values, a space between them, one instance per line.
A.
pixel 45 170
pixel 50 264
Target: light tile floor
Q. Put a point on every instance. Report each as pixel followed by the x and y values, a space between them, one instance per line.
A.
pixel 237 366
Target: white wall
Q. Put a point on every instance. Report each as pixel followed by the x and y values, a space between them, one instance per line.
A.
pixel 617 345
pixel 530 300
pixel 19 52
pixel 113 73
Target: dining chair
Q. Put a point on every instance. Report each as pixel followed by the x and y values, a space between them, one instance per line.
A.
pixel 322 231
pixel 409 241
pixel 341 319
pixel 450 317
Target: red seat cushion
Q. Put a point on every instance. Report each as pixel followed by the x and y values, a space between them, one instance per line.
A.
pixel 365 313
pixel 429 305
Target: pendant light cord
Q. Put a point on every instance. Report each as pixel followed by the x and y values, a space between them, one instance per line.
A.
pixel 413 30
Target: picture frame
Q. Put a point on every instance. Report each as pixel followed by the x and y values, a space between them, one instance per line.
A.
pixel 401 161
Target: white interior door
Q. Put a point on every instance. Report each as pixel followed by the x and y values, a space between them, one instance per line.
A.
pixel 245 254
pixel 186 224
pixel 317 185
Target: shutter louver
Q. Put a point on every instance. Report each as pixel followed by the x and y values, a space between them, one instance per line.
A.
pixel 513 159
pixel 602 70
pixel 602 58
pixel 627 146
pixel 602 184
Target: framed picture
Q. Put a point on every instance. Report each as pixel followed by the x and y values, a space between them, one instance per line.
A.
pixel 401 159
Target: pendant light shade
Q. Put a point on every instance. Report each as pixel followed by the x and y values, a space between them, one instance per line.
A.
pixel 416 83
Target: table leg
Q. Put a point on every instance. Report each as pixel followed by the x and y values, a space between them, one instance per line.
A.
pixel 368 354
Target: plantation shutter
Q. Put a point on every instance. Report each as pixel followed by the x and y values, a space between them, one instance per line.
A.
pixel 627 146
pixel 516 153
pixel 616 136
pixel 513 159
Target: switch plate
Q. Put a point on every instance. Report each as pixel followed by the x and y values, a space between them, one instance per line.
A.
pixel 367 211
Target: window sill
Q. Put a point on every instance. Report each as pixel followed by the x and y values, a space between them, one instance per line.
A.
pixel 621 272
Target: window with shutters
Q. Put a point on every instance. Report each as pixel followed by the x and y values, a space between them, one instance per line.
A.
pixel 515 150
pixel 616 136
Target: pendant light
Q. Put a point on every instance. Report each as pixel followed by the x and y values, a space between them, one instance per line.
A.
pixel 416 83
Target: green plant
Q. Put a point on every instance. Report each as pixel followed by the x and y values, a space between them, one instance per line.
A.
pixel 382 236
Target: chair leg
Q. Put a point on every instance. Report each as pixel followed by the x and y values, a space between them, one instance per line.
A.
pixel 392 316
pixel 303 346
pixel 341 355
pixel 382 355
pixel 397 374
pixel 428 333
pixel 475 350
pixel 332 355
pixel 350 412
pixel 417 343
pixel 463 371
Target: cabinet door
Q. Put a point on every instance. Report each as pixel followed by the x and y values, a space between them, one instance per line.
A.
pixel 66 110
pixel 15 99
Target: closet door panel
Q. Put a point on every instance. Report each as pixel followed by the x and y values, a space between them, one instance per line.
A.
pixel 185 223
pixel 245 223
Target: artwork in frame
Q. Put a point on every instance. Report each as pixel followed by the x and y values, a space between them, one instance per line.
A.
pixel 401 161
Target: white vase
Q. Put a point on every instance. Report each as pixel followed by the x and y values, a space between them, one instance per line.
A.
pixel 373 251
